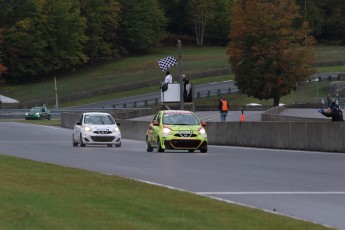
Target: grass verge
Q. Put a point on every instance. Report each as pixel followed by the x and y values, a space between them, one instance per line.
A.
pixel 53 122
pixel 36 195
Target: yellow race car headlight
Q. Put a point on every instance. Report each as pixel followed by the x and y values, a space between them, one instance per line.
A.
pixel 202 131
pixel 166 130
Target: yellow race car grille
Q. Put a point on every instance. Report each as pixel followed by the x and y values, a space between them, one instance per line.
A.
pixel 185 143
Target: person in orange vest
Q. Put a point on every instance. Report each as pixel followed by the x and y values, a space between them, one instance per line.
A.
pixel 223 107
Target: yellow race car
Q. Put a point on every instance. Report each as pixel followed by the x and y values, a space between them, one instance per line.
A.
pixel 176 129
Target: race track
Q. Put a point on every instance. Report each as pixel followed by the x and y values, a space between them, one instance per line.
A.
pixel 306 185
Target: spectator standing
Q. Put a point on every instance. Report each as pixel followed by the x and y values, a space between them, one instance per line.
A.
pixel 333 111
pixel 223 107
pixel 186 89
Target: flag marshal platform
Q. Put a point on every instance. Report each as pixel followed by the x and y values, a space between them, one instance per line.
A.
pixel 172 94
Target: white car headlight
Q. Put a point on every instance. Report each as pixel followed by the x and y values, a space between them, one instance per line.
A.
pixel 116 129
pixel 37 114
pixel 166 130
pixel 202 131
pixel 87 129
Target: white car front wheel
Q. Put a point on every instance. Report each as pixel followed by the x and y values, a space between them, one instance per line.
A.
pixel 81 142
pixel 75 144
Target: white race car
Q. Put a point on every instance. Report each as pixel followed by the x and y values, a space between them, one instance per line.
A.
pixel 96 128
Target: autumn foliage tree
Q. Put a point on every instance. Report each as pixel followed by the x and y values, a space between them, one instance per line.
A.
pixel 268 52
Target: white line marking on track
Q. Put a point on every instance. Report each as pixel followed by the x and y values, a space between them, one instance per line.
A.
pixel 223 200
pixel 273 193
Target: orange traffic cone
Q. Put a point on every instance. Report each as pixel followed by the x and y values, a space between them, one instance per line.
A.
pixel 242 117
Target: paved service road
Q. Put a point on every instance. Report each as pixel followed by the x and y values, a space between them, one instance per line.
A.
pixel 306 185
pixel 213 116
pixel 151 96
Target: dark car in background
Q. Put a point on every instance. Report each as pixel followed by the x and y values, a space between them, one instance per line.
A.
pixel 38 113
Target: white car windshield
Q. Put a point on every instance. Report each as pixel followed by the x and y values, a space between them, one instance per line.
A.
pixel 180 119
pixel 98 120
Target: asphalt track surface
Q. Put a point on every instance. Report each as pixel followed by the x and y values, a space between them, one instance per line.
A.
pixel 300 184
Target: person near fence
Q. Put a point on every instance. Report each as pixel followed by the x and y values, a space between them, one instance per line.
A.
pixel 223 107
pixel 187 91
pixel 333 111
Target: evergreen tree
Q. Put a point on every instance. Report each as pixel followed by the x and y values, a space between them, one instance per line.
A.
pixel 218 28
pixel 333 14
pixel 46 37
pixel 142 24
pixel 102 25
pixel 23 44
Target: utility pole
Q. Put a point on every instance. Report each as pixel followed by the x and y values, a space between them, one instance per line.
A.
pixel 56 95
pixel 180 74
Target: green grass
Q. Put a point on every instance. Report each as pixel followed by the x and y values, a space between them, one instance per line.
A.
pixel 42 196
pixel 307 93
pixel 52 122
pixel 329 53
pixel 141 68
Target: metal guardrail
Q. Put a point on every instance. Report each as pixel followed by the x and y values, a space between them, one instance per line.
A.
pixel 55 113
pixel 156 101
pixel 20 113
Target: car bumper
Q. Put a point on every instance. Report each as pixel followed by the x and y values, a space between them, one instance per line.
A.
pixel 99 139
pixel 32 117
pixel 185 143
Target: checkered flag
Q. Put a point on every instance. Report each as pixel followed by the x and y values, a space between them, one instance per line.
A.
pixel 166 63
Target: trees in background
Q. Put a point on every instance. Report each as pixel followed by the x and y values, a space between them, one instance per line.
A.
pixel 204 20
pixel 3 69
pixel 218 28
pixel 177 17
pixel 201 12
pixel 268 52
pixel 46 37
pixel 42 38
pixel 326 19
pixel 142 24
pixel 333 17
pixel 103 21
